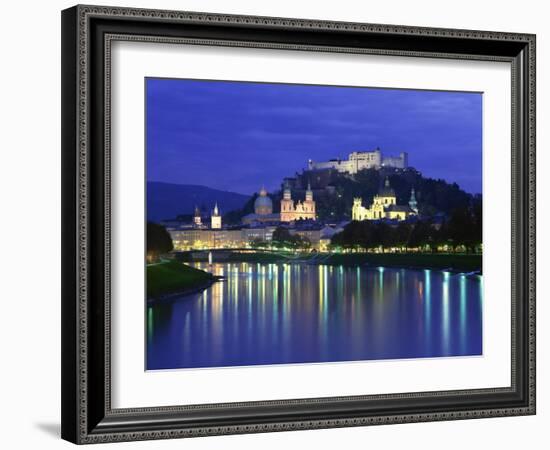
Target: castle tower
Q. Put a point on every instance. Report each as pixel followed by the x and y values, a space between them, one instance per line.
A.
pixel 197 220
pixel 412 202
pixel 404 159
pixel 216 218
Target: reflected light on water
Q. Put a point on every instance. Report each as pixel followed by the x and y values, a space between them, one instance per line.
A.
pixel 428 308
pixel 446 314
pixel 289 313
pixel 462 313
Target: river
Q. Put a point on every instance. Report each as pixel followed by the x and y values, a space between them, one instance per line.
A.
pixel 282 313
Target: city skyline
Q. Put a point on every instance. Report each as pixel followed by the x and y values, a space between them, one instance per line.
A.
pixel 240 136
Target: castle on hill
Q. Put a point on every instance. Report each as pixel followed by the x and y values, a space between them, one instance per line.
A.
pixel 362 160
pixel 384 206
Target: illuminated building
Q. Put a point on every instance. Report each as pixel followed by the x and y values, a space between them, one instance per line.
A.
pixel 299 211
pixel 198 239
pixel 263 211
pixel 384 206
pixel 216 219
pixel 263 204
pixel 362 160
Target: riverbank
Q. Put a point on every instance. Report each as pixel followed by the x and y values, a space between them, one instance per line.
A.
pixel 171 278
pixel 459 262
pixel 435 261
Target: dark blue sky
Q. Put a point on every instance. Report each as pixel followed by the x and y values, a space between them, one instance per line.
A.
pixel 239 136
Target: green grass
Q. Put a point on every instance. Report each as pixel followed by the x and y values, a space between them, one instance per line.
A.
pixel 169 277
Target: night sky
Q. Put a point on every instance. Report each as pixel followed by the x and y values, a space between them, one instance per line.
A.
pixel 238 136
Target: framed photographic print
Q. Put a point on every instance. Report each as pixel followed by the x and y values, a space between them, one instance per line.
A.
pixel 278 224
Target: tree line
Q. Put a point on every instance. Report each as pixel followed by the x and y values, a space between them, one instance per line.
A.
pixel 462 231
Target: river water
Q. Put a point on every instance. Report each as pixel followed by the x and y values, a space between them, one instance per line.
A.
pixel 282 313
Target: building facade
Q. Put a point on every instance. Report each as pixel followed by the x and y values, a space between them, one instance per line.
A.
pixel 362 160
pixel 291 211
pixel 216 219
pixel 384 206
pixel 199 239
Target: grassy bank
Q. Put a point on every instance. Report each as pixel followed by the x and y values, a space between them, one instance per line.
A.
pixel 169 277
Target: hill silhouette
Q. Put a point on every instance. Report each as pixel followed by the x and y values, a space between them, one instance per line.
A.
pixel 167 200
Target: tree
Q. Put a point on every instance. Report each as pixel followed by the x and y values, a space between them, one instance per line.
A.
pixel 465 226
pixel 283 238
pixel 258 243
pixel 422 233
pixel 159 241
pixel 401 235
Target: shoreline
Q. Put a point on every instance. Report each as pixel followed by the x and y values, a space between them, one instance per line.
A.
pixel 465 263
pixel 171 296
pixel 171 279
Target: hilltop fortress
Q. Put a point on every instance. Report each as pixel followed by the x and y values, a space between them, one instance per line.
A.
pixel 362 160
pixel 299 198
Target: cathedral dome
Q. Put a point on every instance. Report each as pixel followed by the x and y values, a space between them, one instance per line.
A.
pixel 263 204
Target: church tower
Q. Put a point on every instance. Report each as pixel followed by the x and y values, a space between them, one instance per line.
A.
pixel 287 206
pixel 216 219
pixel 357 209
pixel 412 202
pixel 197 220
pixel 308 207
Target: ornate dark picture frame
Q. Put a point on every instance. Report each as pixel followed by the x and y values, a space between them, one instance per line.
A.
pixel 87 34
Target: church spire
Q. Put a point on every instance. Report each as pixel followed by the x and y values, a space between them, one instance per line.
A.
pixel 216 219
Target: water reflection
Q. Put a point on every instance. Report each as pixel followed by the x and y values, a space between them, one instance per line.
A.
pixel 282 313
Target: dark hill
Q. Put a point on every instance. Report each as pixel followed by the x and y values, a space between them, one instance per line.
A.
pixel 334 192
pixel 167 200
pixel 433 195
